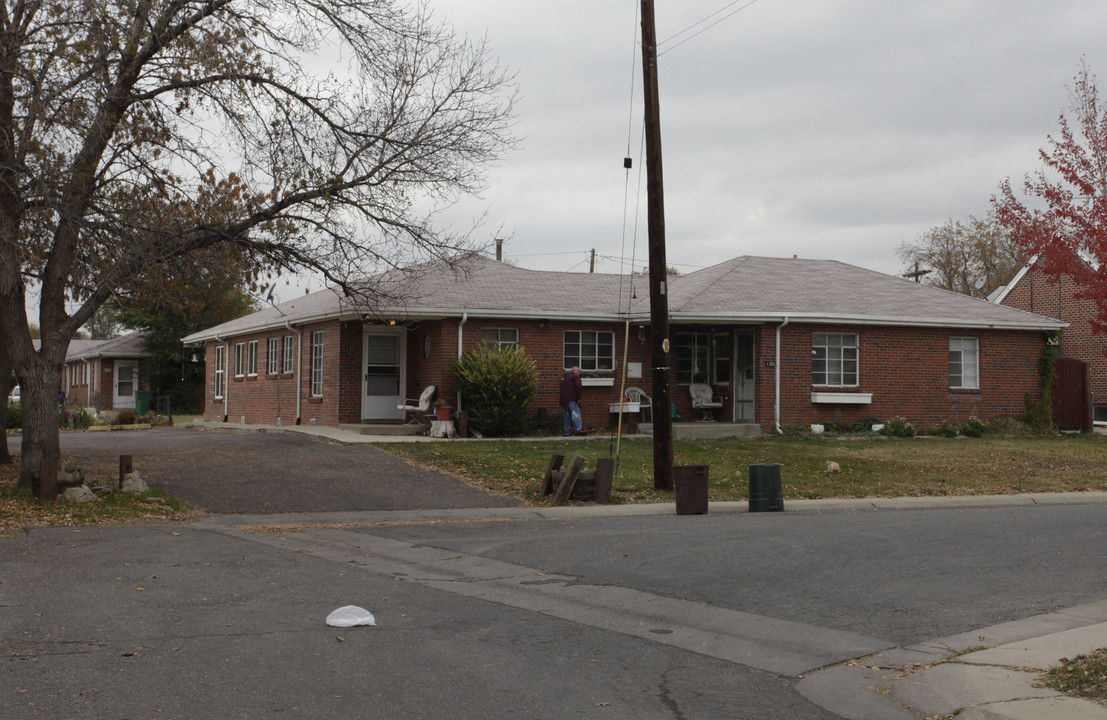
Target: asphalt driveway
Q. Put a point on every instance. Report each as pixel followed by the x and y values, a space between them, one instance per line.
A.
pixel 261 473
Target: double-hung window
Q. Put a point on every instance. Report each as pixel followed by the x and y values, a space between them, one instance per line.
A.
pixel 834 359
pixel 220 370
pixel 590 349
pixel 288 353
pixel 252 358
pixel 273 358
pixel 239 359
pixel 964 363
pixel 500 337
pixel 317 363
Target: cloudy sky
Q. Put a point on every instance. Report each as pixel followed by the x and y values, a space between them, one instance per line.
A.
pixel 819 128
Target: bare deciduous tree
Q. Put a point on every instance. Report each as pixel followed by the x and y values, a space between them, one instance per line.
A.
pixel 972 256
pixel 315 135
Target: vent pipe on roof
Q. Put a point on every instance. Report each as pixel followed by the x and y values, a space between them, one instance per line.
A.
pixel 499 249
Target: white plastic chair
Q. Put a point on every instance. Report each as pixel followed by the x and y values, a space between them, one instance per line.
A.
pixel 645 405
pixel 424 402
pixel 701 400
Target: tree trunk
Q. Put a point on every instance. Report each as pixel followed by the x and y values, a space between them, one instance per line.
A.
pixel 6 387
pixel 41 438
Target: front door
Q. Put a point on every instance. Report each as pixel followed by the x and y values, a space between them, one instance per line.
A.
pixel 126 382
pixel 384 357
pixel 743 378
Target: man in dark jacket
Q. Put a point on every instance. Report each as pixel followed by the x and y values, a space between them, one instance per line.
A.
pixel 570 403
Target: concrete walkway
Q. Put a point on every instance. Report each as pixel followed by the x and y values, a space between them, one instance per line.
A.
pixel 987 674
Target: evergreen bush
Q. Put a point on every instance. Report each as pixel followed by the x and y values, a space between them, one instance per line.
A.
pixel 497 385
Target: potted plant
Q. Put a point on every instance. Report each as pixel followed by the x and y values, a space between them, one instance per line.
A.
pixel 442 410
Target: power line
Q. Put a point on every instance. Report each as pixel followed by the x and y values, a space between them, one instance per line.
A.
pixel 701 22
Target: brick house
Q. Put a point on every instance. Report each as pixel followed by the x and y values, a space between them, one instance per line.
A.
pixel 103 375
pixel 1033 290
pixel 779 341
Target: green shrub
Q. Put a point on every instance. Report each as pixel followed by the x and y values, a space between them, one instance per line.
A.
pixel 497 385
pixel 973 427
pixel 795 431
pixel 946 428
pixel 1007 426
pixel 15 416
pixel 898 427
pixel 126 416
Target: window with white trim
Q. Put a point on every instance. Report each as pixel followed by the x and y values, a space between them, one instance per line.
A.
pixel 239 359
pixel 500 337
pixel 252 358
pixel 834 359
pixel 220 371
pixel 273 358
pixel 964 363
pixel 317 363
pixel 288 353
pixel 590 349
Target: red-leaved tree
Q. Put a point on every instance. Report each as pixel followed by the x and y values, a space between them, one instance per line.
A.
pixel 1062 219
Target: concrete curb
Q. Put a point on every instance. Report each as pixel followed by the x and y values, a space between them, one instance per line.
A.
pixel 998 682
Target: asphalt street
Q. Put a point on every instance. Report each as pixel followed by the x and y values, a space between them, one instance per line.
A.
pixel 714 616
pixel 503 611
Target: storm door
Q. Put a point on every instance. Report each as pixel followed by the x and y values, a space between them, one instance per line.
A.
pixel 743 377
pixel 384 355
pixel 126 382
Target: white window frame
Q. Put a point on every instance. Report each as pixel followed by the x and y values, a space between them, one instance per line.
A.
pixel 317 338
pixel 239 359
pixel 252 358
pixel 500 337
pixel 273 356
pixel 835 359
pixel 220 371
pixel 289 354
pixel 964 363
pixel 574 350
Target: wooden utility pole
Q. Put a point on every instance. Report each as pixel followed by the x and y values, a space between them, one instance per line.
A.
pixel 659 300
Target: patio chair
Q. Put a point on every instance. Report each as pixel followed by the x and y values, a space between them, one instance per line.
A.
pixel 424 403
pixel 645 405
pixel 701 400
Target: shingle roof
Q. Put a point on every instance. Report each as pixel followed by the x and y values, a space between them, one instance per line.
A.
pixel 129 345
pixel 829 290
pixel 745 289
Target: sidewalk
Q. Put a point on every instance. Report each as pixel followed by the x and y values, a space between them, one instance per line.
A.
pixel 986 674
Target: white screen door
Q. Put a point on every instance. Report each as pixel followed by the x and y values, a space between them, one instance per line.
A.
pixel 383 374
pixel 126 381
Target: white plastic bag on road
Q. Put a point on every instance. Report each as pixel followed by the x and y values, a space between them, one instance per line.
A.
pixel 349 616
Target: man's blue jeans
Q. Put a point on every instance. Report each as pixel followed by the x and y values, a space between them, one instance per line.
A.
pixel 570 415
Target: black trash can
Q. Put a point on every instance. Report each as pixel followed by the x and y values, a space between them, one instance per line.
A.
pixel 690 483
pixel 766 491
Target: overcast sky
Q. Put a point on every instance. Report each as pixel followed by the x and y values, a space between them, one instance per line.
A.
pixel 832 129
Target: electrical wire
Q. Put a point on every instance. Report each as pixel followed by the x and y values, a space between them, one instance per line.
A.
pixel 700 22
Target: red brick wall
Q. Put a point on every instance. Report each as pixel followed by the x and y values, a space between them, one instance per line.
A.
pixel 906 370
pixel 1055 297
pixel 265 399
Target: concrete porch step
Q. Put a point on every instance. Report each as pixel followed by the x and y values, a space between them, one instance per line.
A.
pixel 384 428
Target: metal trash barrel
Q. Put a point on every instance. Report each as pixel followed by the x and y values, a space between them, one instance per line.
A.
pixel 766 491
pixel 690 484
